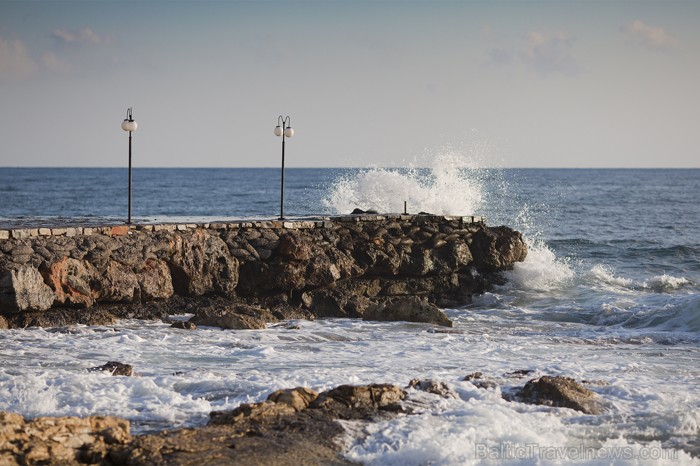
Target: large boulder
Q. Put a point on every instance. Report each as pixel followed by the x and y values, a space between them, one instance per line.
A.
pixel 201 263
pixel 497 248
pixel 155 281
pixel 409 309
pixel 119 284
pixel 23 289
pixel 71 280
pixel 562 392
pixel 359 401
pixel 234 317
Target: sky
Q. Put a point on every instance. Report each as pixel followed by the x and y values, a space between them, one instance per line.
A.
pixel 365 83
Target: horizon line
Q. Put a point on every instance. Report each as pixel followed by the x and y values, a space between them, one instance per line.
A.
pixel 342 168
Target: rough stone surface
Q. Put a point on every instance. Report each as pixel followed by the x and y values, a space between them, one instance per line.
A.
pixel 336 268
pixel 155 280
pixel 24 289
pixel 236 317
pixel 435 387
pixel 291 427
pixel 560 391
pixel 411 309
pixel 115 368
pixel 60 441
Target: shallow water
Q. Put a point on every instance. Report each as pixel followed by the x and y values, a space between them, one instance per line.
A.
pixel 608 294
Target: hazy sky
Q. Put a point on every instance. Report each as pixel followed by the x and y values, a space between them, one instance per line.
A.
pixel 517 84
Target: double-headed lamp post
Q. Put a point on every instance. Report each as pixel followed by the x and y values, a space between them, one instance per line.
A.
pixel 284 129
pixel 129 125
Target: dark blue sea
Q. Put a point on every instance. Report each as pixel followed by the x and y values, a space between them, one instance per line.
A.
pixel 609 294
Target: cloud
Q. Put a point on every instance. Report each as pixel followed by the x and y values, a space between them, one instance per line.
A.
pixel 500 56
pixel 546 54
pixel 15 61
pixel 55 64
pixel 550 54
pixel 649 36
pixel 84 36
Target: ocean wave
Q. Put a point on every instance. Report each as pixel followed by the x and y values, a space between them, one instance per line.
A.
pixel 665 283
pixel 541 270
pixel 683 316
pixel 604 274
pixel 680 314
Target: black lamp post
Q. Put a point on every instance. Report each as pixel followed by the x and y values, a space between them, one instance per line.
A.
pixel 129 125
pixel 284 129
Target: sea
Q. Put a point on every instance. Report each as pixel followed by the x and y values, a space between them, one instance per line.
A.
pixel 609 295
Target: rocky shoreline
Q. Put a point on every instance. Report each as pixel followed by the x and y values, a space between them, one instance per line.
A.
pixel 380 267
pixel 291 427
pixel 242 275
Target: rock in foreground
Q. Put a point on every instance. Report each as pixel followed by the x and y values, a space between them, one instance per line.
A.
pixel 62 441
pixel 560 391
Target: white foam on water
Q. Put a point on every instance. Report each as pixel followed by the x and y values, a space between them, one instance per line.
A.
pixel 665 283
pixel 183 375
pixel 605 275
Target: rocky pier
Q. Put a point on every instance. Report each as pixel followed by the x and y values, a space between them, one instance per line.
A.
pixel 244 274
pixel 240 275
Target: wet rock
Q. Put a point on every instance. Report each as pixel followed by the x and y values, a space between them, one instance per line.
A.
pixel 320 269
pixel 61 440
pixel 497 248
pixel 435 387
pixel 562 392
pixel 185 325
pixel 335 302
pixel 520 373
pixel 359 402
pixel 115 368
pixel 60 318
pixel 298 398
pixel 478 380
pixel 409 309
pixel 296 426
pixel 358 211
pixel 235 317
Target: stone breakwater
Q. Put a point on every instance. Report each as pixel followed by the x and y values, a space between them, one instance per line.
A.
pixel 346 266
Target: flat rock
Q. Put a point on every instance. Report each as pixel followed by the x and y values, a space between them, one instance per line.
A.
pixel 409 309
pixel 234 317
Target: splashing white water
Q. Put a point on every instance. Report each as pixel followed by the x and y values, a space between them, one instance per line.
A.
pixel 449 186
pixel 541 270
pixel 606 275
pixel 665 283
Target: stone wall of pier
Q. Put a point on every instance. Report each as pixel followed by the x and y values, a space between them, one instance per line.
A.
pixel 329 266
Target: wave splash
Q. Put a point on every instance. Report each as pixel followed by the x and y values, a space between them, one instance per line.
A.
pixel 542 269
pixel 450 185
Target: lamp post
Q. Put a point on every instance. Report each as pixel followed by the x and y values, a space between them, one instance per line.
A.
pixel 284 129
pixel 129 125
